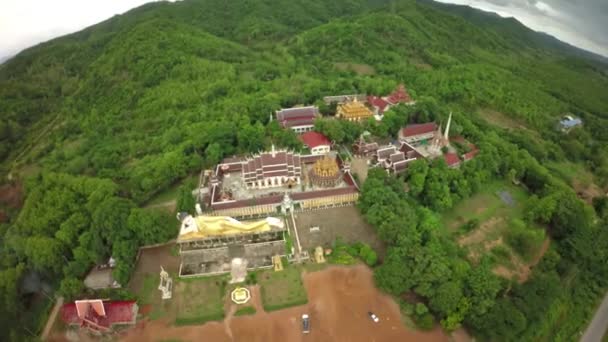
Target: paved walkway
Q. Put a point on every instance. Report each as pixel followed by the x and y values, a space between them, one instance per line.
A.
pixel 598 325
pixel 50 322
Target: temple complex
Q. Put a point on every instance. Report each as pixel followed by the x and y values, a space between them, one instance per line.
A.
pixel 256 186
pixel 353 111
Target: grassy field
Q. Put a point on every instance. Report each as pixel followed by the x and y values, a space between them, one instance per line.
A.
pixel 194 301
pixel 282 289
pixel 171 193
pixel 488 225
pixel 199 300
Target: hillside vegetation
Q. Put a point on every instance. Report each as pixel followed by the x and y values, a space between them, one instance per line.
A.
pixel 96 123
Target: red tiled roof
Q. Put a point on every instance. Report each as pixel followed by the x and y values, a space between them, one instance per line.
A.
pixel 416 129
pixel 112 312
pixel 400 95
pixel 290 117
pixel 377 102
pixel 451 159
pixel 314 139
pixel 471 154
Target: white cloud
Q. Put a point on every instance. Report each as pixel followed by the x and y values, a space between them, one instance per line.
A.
pixel 24 23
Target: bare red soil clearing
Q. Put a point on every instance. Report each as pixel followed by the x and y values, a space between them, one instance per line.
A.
pixel 339 299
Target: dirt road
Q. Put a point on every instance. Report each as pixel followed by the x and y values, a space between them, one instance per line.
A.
pixel 596 329
pixel 51 320
pixel 339 299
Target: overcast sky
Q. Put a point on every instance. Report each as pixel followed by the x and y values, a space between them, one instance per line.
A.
pixel 582 23
pixel 23 23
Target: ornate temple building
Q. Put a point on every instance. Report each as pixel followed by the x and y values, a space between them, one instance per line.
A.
pixel 325 172
pixel 272 169
pixel 353 111
pixel 256 186
pixel 298 119
pixel 395 160
pixel 419 133
pixel 365 149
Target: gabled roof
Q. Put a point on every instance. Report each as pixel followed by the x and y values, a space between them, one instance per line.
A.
pixel 313 139
pixel 100 313
pixel 451 159
pixel 400 95
pixel 417 129
pixel 289 117
pixel 378 103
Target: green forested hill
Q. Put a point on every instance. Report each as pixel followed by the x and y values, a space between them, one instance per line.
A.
pixel 106 118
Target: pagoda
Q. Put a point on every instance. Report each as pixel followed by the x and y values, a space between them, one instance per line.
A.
pixel 325 172
pixel 353 111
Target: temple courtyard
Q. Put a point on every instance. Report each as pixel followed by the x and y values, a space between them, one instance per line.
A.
pixel 323 227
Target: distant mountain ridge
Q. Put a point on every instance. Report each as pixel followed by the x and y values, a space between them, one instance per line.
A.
pixel 511 27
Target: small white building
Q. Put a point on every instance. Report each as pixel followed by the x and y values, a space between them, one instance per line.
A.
pixel 316 142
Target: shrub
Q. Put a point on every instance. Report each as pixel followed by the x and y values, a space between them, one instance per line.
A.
pixel 470 225
pixel 247 310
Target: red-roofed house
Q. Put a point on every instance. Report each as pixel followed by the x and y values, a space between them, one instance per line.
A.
pixel 316 142
pixel 299 119
pixel 98 315
pixel 378 104
pixel 452 159
pixel 399 95
pixel 418 132
pixel 382 104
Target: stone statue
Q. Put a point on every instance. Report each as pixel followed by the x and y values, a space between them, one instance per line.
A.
pixel 166 284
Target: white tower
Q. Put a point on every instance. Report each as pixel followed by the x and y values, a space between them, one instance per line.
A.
pixel 447 128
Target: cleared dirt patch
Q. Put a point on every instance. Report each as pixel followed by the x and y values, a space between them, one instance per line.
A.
pixel 359 167
pixel 500 119
pixel 339 299
pixel 345 222
pixel 11 195
pixel 360 69
pixel 480 234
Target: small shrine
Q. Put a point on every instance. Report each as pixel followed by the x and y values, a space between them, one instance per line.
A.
pixel 325 172
pixel 240 295
pixel 166 284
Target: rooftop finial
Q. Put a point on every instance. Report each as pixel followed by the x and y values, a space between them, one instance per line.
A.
pixel 274 152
